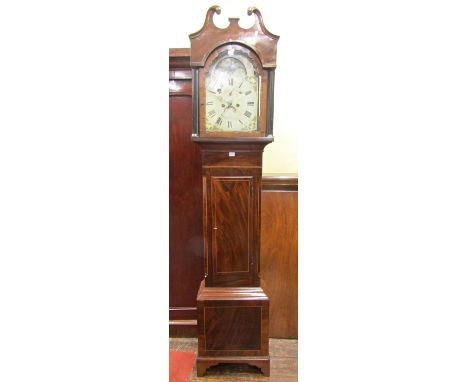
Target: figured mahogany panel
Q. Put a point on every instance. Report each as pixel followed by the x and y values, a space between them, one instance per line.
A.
pixel 240 327
pixel 185 200
pixel 231 197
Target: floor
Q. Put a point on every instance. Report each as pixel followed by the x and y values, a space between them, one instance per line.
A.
pixel 283 367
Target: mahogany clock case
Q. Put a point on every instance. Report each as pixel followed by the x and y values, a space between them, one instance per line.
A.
pixel 233 309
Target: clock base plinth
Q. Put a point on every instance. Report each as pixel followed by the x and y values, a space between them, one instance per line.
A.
pixel 233 327
pixel 203 363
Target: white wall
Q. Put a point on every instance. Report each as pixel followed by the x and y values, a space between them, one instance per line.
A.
pixel 281 155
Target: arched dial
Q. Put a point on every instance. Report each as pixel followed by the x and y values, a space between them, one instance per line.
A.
pixel 231 89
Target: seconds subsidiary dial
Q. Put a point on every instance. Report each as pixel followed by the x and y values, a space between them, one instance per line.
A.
pixel 232 93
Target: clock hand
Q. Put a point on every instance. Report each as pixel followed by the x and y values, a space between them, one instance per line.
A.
pixel 230 106
pixel 223 111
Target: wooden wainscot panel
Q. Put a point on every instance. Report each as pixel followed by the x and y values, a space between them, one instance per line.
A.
pixel 278 252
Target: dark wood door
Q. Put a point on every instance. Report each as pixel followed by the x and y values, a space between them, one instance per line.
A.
pixel 232 196
pixel 185 200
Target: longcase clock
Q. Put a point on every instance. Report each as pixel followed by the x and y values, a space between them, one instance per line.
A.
pixel 233 82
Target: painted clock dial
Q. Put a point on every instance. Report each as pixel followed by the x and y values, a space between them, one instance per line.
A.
pixel 231 91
